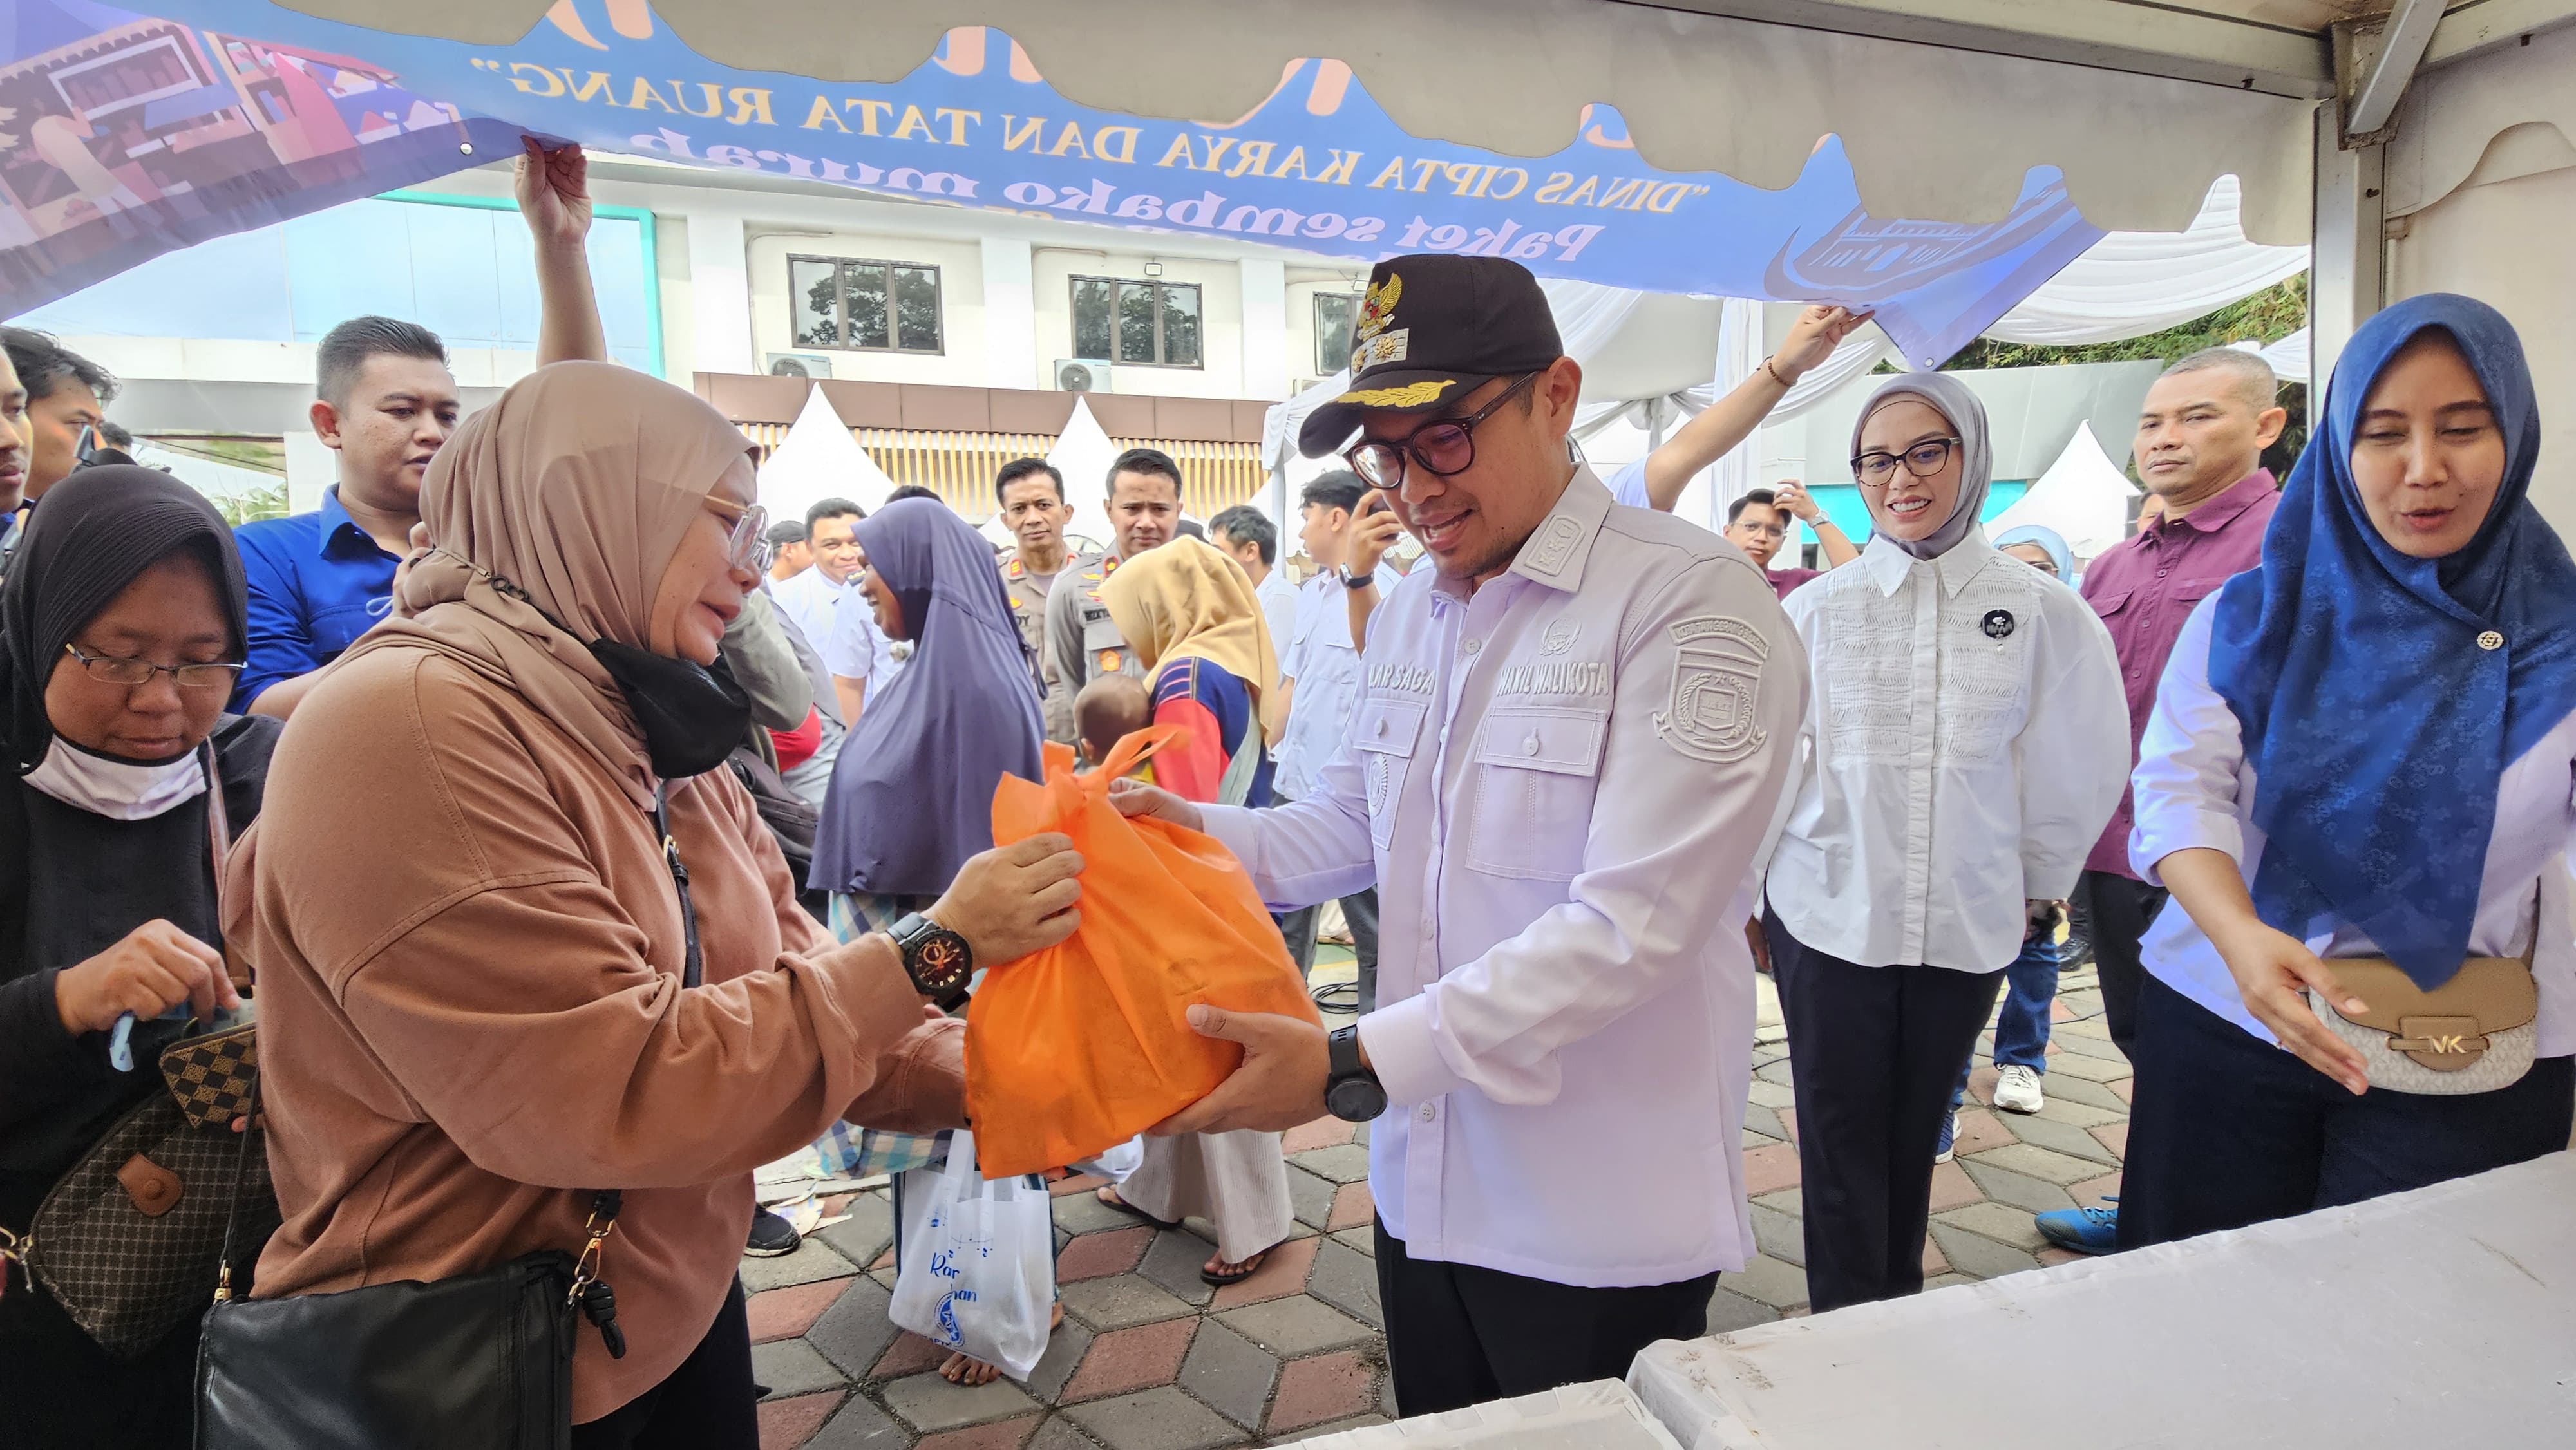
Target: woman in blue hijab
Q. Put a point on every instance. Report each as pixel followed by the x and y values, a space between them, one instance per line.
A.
pixel 2357 785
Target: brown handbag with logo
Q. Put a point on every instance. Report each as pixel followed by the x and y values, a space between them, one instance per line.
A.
pixel 130 1241
pixel 2473 1034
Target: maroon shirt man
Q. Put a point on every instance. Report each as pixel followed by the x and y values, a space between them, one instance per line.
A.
pixel 2201 433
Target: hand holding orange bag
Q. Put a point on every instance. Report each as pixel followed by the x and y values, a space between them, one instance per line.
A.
pixel 1082 1046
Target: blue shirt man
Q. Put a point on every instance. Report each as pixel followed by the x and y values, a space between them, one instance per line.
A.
pixel 317 581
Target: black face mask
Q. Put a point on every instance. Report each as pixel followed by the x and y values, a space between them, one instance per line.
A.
pixel 692 716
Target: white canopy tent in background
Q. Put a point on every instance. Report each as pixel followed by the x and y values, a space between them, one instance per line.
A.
pixel 2084 496
pixel 2289 357
pixel 819 459
pixel 1652 361
pixel 2130 284
pixel 1082 453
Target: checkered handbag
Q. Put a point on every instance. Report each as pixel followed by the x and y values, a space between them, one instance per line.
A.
pixel 130 1242
pixel 211 1075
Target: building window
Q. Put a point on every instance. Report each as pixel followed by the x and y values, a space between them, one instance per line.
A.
pixel 1334 314
pixel 864 306
pixel 1153 323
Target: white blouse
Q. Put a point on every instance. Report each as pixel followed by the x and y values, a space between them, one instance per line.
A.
pixel 1963 753
pixel 2196 788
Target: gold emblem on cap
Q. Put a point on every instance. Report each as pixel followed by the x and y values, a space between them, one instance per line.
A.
pixel 1411 395
pixel 1377 309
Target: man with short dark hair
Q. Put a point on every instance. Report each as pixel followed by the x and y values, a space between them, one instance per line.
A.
pixel 1248 535
pixel 791 556
pixel 2201 435
pixel 65 393
pixel 860 658
pixel 13 458
pixel 914 490
pixel 1031 494
pixel 1573 738
pixel 1758 523
pixel 385 404
pixel 1319 677
pixel 1144 511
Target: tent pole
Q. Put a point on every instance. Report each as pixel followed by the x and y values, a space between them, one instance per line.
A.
pixel 2348 278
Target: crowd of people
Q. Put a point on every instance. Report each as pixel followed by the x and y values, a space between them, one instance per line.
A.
pixel 586 841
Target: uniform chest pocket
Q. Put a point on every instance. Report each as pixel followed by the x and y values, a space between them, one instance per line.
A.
pixel 1536 771
pixel 1384 733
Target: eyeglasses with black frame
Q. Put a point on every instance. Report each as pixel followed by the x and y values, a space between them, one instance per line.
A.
pixel 1444 446
pixel 130 673
pixel 747 547
pixel 1923 459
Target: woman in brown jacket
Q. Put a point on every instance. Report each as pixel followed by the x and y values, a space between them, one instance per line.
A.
pixel 468 943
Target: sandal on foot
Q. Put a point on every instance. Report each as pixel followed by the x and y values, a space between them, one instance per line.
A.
pixel 1246 1270
pixel 1110 1196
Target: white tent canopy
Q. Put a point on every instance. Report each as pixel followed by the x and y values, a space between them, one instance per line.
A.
pixel 819 459
pixel 2130 284
pixel 1082 454
pixel 2083 495
pixel 2289 357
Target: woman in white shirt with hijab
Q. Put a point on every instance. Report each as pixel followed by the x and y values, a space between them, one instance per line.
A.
pixel 1967 743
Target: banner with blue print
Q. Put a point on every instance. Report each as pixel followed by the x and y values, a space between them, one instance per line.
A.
pixel 124 135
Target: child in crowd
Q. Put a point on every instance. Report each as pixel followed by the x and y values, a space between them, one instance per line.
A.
pixel 1108 710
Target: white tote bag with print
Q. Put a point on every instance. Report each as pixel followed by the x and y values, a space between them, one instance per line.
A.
pixel 978 1262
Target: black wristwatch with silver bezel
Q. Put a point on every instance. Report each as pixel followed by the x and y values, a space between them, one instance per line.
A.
pixel 938 960
pixel 1352 1093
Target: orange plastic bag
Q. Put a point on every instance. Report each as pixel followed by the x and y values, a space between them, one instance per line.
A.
pixel 1080 1047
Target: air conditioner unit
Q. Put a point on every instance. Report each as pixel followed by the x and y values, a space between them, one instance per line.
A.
pixel 799 365
pixel 1081 375
pixel 1302 385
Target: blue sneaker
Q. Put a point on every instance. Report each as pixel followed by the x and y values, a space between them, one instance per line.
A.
pixel 2085 1230
pixel 1949 1135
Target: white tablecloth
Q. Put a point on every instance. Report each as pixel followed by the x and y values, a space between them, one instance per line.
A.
pixel 1596 1415
pixel 2442 1317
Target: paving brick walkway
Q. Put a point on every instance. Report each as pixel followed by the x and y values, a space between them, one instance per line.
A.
pixel 1150 1358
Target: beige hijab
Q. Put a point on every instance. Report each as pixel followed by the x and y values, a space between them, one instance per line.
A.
pixel 1188 598
pixel 567 498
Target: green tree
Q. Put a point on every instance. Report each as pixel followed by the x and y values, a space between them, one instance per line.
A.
pixel 268 501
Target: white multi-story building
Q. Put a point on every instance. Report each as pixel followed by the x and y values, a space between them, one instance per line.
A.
pixel 722 281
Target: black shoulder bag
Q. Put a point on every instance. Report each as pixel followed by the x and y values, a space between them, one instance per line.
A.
pixel 471 1362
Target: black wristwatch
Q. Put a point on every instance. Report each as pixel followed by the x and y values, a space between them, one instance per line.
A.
pixel 1357 582
pixel 938 960
pixel 1351 1092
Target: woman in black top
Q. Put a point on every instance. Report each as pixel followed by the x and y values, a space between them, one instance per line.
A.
pixel 109 861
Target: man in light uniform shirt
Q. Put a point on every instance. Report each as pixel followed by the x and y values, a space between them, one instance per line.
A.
pixel 1319 674
pixel 1570 750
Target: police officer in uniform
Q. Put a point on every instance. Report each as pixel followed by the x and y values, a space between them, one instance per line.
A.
pixel 1573 741
pixel 1144 513
pixel 1031 495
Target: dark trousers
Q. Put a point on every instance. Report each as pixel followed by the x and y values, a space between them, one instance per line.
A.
pixel 1459 1335
pixel 2227 1130
pixel 708 1403
pixel 1873 1054
pixel 1360 911
pixel 2119 910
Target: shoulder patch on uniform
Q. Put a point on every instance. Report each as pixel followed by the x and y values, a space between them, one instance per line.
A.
pixel 1713 709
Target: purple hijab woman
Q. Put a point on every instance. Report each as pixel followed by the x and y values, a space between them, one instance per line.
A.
pixel 912 795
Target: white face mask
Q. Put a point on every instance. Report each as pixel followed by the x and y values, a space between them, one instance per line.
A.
pixel 114 788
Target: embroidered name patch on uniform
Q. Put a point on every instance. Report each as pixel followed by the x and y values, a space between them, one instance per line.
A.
pixel 1717 690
